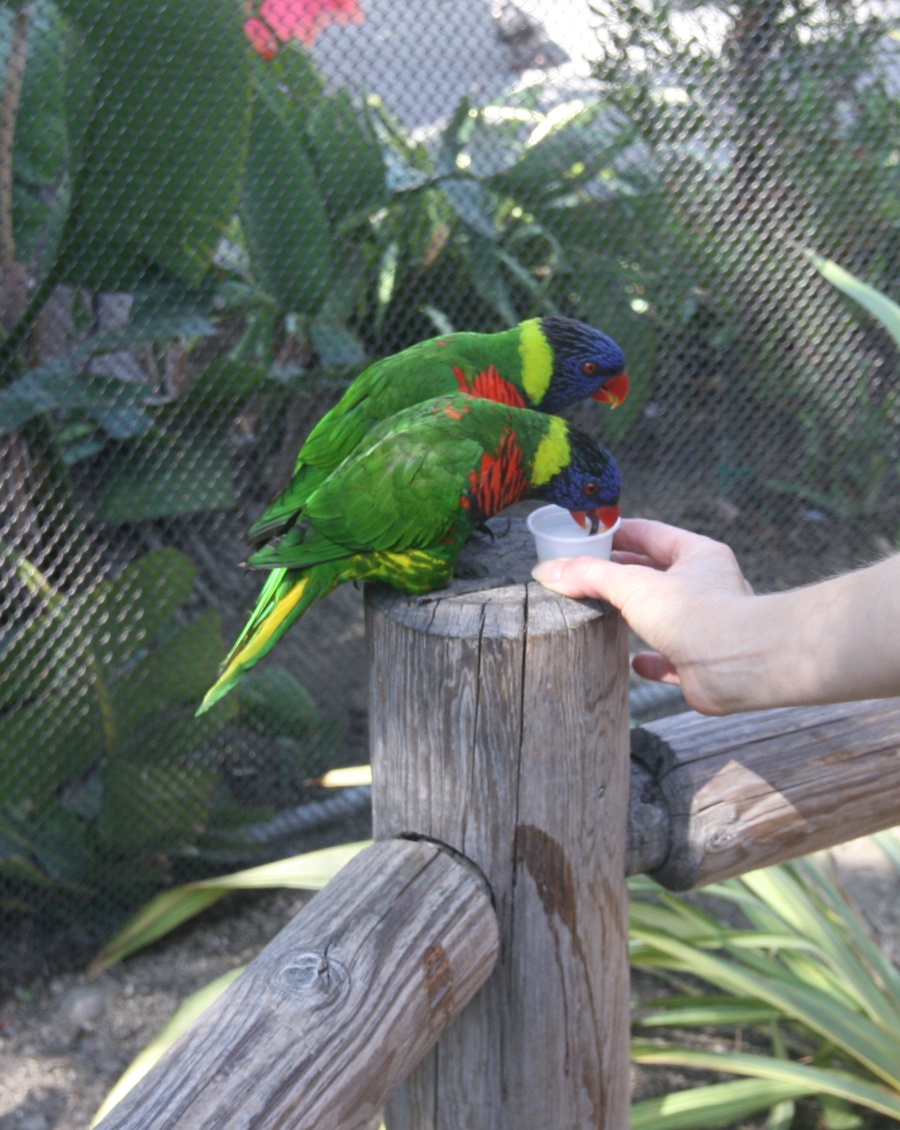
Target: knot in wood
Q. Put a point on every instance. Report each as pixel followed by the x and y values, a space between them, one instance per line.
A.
pixel 314 977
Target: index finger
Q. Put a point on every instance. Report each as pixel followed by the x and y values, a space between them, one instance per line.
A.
pixel 661 543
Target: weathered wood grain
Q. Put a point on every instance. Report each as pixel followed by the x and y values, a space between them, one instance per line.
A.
pixel 337 1009
pixel 649 836
pixel 498 725
pixel 754 789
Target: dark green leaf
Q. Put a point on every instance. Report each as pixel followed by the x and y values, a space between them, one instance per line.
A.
pixel 41 747
pixel 453 138
pixel 166 142
pixel 336 346
pixel 153 806
pixel 347 156
pixel 488 279
pixel 41 149
pixel 175 673
pixel 474 205
pixel 273 702
pixel 125 615
pixel 159 476
pixel 566 156
pixel 121 421
pixel 296 72
pixel 47 136
pixel 35 656
pixel 227 379
pixel 282 209
pixel 173 736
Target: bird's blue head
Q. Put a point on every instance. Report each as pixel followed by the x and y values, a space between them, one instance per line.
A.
pixel 586 363
pixel 588 486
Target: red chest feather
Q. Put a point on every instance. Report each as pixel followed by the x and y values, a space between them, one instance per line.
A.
pixel 490 385
pixel 501 479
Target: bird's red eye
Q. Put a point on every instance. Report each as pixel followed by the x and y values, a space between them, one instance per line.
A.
pixel 591 489
pixel 590 368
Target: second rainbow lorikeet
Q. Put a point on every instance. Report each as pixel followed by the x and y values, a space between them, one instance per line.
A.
pixel 544 363
pixel 400 508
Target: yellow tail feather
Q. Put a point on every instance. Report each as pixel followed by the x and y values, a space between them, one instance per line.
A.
pixel 242 658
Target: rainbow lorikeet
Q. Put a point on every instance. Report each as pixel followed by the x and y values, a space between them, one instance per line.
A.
pixel 400 508
pixel 544 363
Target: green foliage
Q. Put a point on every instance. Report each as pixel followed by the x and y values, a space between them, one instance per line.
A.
pixel 850 464
pixel 317 233
pixel 149 117
pixel 108 117
pixel 308 233
pixel 781 136
pixel 106 775
pixel 805 977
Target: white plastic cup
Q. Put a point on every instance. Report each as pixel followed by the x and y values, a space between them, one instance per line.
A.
pixel 557 534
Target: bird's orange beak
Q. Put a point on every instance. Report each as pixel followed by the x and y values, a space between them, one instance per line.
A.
pixel 592 520
pixel 614 392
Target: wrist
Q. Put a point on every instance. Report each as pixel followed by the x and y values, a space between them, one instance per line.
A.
pixel 829 642
pixel 758 659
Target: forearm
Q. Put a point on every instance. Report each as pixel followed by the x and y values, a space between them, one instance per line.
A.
pixel 830 642
pixel 686 597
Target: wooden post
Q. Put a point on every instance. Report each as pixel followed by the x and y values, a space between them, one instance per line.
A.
pixel 499 726
pixel 337 1008
pixel 754 789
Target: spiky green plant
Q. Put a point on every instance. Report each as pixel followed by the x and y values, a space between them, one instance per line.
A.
pixel 805 975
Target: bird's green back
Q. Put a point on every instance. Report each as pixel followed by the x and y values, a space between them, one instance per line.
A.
pixel 425 460
pixel 519 357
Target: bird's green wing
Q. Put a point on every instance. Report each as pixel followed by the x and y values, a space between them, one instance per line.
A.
pixel 404 492
pixel 385 388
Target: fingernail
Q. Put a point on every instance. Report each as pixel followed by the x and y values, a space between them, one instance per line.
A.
pixel 546 572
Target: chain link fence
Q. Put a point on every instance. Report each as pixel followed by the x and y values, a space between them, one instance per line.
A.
pixel 213 214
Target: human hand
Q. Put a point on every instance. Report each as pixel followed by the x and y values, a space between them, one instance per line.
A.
pixel 683 594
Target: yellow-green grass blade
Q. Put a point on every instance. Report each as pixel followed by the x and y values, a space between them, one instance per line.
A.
pixel 859 1037
pixel 708 1011
pixel 711 1107
pixel 846 972
pixel 813 1080
pixel 822 942
pixel 182 1019
pixel 309 871
pixel 878 304
pixel 818 873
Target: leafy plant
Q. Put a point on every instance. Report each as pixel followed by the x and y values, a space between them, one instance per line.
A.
pixel 317 234
pixel 805 977
pixel 108 782
pixel 762 127
pixel 850 464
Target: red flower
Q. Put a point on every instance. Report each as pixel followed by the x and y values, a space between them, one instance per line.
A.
pixel 262 37
pixel 297 19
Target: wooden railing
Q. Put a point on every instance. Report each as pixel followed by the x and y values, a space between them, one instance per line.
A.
pixel 506 822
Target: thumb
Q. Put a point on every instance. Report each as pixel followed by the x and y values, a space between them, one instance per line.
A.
pixel 579 576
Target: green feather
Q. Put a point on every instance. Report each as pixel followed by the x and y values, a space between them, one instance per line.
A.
pixel 391 512
pixel 423 371
pixel 400 508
